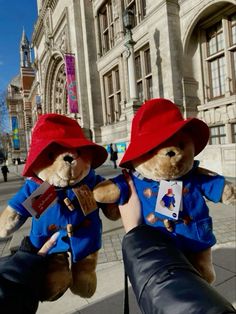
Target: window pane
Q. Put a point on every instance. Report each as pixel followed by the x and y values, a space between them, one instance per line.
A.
pixel 222 74
pixel 149 88
pixel 234 132
pixel 217 135
pixel 234 64
pixel 117 77
pixel 217 69
pixel 215 78
pixel 220 41
pixel 110 84
pixel 140 90
pixel 112 110
pixel 215 38
pixel 212 45
pixel 143 8
pixel 138 67
pixel 233 29
pixel 147 61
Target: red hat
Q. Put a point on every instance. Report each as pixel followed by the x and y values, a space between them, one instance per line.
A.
pixel 155 122
pixel 58 129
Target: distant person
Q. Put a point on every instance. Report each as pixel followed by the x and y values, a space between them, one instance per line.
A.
pixel 113 154
pixel 4 172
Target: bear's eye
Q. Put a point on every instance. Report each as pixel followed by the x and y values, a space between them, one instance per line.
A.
pixel 78 152
pixel 181 145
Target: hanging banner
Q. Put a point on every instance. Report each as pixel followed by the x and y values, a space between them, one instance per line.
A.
pixel 71 83
pixel 15 132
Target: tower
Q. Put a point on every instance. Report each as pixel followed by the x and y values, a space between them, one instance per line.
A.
pixel 27 77
pixel 25 60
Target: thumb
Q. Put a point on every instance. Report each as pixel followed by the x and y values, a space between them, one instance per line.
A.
pixel 49 244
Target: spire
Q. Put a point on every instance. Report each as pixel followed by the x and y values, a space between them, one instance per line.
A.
pixel 25 59
pixel 24 40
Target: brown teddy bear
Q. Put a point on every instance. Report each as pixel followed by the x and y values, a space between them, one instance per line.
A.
pixel 57 193
pixel 169 182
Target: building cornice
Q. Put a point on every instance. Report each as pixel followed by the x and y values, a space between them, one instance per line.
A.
pixel 38 27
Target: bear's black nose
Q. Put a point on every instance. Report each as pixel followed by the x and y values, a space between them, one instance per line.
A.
pixel 68 158
pixel 170 153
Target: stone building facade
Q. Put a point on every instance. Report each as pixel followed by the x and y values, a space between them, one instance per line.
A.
pixel 182 50
pixel 19 104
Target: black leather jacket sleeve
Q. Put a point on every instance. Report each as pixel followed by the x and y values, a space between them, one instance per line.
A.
pixel 20 280
pixel 163 280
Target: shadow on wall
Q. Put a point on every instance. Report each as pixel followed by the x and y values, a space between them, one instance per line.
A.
pixel 158 63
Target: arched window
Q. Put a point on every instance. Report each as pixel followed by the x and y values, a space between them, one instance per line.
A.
pixel 55 87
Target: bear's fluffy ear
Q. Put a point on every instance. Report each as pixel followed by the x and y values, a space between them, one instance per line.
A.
pixel 10 221
pixel 106 192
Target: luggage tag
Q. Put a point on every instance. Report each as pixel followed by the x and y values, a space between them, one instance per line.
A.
pixel 43 197
pixel 169 198
pixel 86 199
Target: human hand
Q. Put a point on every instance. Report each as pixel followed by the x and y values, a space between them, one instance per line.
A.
pixel 131 211
pixel 49 244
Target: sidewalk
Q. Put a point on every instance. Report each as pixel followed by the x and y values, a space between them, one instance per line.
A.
pixel 109 295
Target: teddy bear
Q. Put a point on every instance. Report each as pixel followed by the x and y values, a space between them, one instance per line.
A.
pixel 169 182
pixel 57 194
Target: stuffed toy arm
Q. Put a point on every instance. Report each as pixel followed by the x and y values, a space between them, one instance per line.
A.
pixel 217 185
pixel 10 221
pixel 229 194
pixel 115 190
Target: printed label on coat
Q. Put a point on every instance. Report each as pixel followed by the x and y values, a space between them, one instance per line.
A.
pixel 169 198
pixel 43 197
pixel 86 199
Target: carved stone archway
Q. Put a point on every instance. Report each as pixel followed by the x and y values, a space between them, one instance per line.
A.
pixel 55 86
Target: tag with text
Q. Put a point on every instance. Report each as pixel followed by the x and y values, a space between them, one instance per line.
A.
pixel 86 199
pixel 43 197
pixel 169 198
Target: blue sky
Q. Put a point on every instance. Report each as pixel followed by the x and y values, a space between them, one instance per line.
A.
pixel 14 16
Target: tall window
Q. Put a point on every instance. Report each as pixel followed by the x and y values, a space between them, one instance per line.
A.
pixel 217 135
pixel 232 48
pixel 138 7
pixel 106 24
pixel 220 55
pixel 112 95
pixel 143 73
pixel 234 132
pixel 216 59
pixel 59 91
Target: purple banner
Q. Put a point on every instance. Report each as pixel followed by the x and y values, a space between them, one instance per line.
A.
pixel 71 83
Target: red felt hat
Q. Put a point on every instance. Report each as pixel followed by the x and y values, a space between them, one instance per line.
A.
pixel 58 129
pixel 154 123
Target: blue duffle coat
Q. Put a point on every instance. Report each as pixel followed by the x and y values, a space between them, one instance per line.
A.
pixel 87 233
pixel 193 229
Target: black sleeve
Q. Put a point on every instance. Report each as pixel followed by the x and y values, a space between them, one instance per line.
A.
pixel 163 280
pixel 20 280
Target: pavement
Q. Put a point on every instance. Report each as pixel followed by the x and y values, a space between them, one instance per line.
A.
pixel 110 273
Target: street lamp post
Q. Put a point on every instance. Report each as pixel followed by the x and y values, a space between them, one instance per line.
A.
pixel 128 22
pixel 133 103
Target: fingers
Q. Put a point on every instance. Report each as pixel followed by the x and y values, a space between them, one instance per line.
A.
pixel 49 244
pixel 131 211
pixel 129 181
